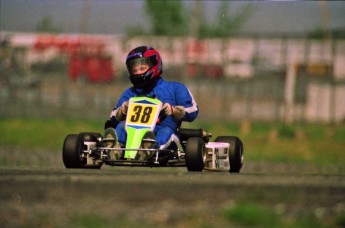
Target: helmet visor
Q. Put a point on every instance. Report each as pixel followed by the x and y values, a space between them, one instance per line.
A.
pixel 139 66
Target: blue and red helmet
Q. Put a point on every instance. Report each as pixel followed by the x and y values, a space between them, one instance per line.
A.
pixel 144 55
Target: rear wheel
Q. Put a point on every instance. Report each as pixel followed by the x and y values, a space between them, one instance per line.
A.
pixel 235 152
pixel 195 154
pixel 72 152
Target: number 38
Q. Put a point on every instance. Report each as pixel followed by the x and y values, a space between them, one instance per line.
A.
pixel 141 114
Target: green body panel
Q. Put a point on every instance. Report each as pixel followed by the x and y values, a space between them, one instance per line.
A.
pixel 136 129
pixel 134 137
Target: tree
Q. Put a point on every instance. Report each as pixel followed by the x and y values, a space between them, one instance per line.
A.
pixel 170 18
pixel 226 26
pixel 47 25
pixel 167 17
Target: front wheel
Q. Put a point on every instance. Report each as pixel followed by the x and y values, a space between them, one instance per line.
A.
pixel 72 151
pixel 195 154
pixel 235 152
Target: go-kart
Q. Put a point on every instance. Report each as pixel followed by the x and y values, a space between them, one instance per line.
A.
pixel 191 148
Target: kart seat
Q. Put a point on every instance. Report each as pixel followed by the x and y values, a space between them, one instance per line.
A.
pixel 185 133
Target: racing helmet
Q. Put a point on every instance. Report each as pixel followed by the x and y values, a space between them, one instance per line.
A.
pixel 144 66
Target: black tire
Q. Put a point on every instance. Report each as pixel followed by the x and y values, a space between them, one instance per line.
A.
pixel 195 154
pixel 72 147
pixel 70 155
pixel 235 152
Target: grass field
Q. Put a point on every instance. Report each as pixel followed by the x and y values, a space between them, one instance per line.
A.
pixel 317 144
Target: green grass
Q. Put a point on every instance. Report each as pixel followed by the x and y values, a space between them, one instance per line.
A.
pixel 42 134
pixel 252 215
pixel 257 215
pixel 317 144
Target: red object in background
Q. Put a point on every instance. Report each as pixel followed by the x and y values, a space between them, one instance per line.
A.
pixel 87 56
pixel 196 67
pixel 93 69
pixel 43 42
pixel 75 67
pixel 211 70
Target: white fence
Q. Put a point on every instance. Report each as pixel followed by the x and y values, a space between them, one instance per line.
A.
pixel 239 56
pixel 255 82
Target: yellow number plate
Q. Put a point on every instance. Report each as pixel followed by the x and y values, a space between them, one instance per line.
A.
pixel 141 114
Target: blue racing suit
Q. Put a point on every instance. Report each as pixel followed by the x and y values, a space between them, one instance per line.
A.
pixel 174 93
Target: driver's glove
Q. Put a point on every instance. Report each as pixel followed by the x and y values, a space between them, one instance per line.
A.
pixel 121 111
pixel 177 112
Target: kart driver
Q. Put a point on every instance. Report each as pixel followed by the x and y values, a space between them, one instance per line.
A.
pixel 145 67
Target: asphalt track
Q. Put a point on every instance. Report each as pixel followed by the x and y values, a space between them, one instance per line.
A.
pixel 164 196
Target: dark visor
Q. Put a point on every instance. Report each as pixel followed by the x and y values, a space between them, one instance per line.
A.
pixel 135 63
